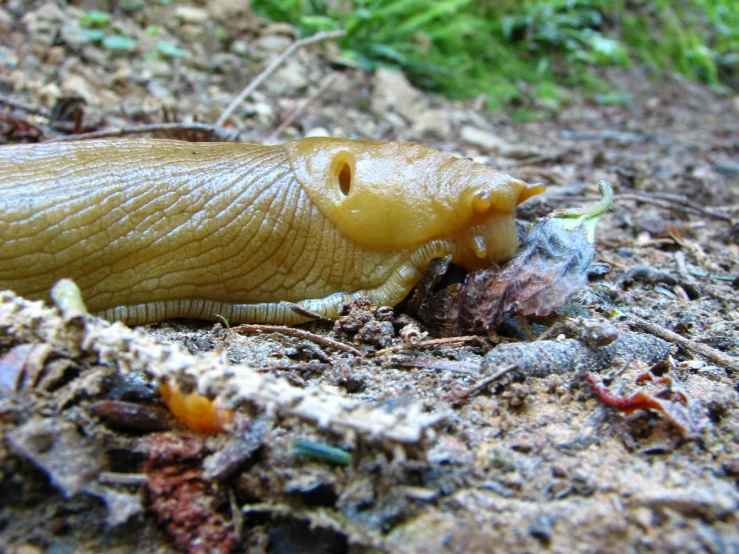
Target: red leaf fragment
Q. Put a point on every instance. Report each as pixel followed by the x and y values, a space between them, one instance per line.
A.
pixel 685 413
pixel 189 505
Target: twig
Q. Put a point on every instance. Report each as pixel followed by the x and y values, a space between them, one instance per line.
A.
pixel 302 366
pixel 297 333
pixel 439 364
pixel 676 204
pixel 300 310
pixel 30 108
pixel 301 108
pixel 99 342
pixel 484 382
pixel 695 347
pixel 430 342
pixel 114 478
pixel 226 135
pixel 271 68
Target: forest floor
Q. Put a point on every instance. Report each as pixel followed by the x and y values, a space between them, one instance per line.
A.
pixel 447 456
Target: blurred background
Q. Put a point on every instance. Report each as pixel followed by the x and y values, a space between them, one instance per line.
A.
pixel 504 48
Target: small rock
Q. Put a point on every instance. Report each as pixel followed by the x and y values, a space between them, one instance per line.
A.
pixel 230 11
pixel 263 112
pixel 109 100
pixel 393 93
pixel 433 122
pixel 240 47
pixel 291 79
pixel 268 46
pixel 73 35
pixel 8 58
pixel 43 23
pixel 121 76
pixel 74 85
pixel 18 80
pixel 727 168
pixel 190 14
pixel 281 29
pixel 488 140
pixel 484 139
pixel 148 69
pixel 318 132
pixel 223 62
pixel 191 34
pixel 49 94
pixel 56 56
pixel 94 55
pixel 158 90
pixel 6 20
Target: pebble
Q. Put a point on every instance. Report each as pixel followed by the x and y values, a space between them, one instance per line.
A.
pixel 74 85
pixel 229 11
pixel 8 58
pixel 268 46
pixel 484 139
pixel 318 132
pixel 190 14
pixel 49 94
pixel 158 90
pixel 433 122
pixel 6 20
pixel 393 93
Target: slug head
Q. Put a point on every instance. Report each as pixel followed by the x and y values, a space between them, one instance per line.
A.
pixel 395 195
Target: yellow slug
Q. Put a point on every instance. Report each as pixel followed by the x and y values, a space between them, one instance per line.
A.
pixel 152 229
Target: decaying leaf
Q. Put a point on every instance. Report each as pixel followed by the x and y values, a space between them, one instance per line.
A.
pixel 190 506
pixel 551 266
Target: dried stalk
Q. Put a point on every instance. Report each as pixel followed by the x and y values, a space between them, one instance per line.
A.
pixel 92 340
pixel 704 350
pixel 271 68
pixel 225 135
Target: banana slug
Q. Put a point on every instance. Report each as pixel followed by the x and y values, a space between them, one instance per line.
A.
pixel 152 229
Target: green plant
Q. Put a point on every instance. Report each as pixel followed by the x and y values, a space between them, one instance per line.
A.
pixel 466 47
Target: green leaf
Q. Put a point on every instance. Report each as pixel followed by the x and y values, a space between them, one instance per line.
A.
pixel 119 43
pixel 93 35
pixel 171 51
pixel 95 18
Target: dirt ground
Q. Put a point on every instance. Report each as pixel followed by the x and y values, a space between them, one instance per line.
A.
pixel 444 455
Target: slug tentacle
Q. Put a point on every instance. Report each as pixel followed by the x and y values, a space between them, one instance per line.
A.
pixel 153 229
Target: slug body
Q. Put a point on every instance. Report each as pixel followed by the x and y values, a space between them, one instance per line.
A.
pixel 152 229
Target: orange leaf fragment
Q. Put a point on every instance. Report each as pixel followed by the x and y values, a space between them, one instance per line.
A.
pixel 196 411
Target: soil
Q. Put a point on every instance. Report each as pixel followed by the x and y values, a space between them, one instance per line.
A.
pixel 451 459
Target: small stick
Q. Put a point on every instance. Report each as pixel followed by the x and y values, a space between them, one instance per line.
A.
pixel 300 310
pixel 302 366
pixel 702 349
pixel 297 333
pixel 113 478
pixel 30 108
pixel 226 135
pixel 676 204
pixel 271 68
pixel 438 364
pixel 430 342
pixel 484 382
pixel 301 108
